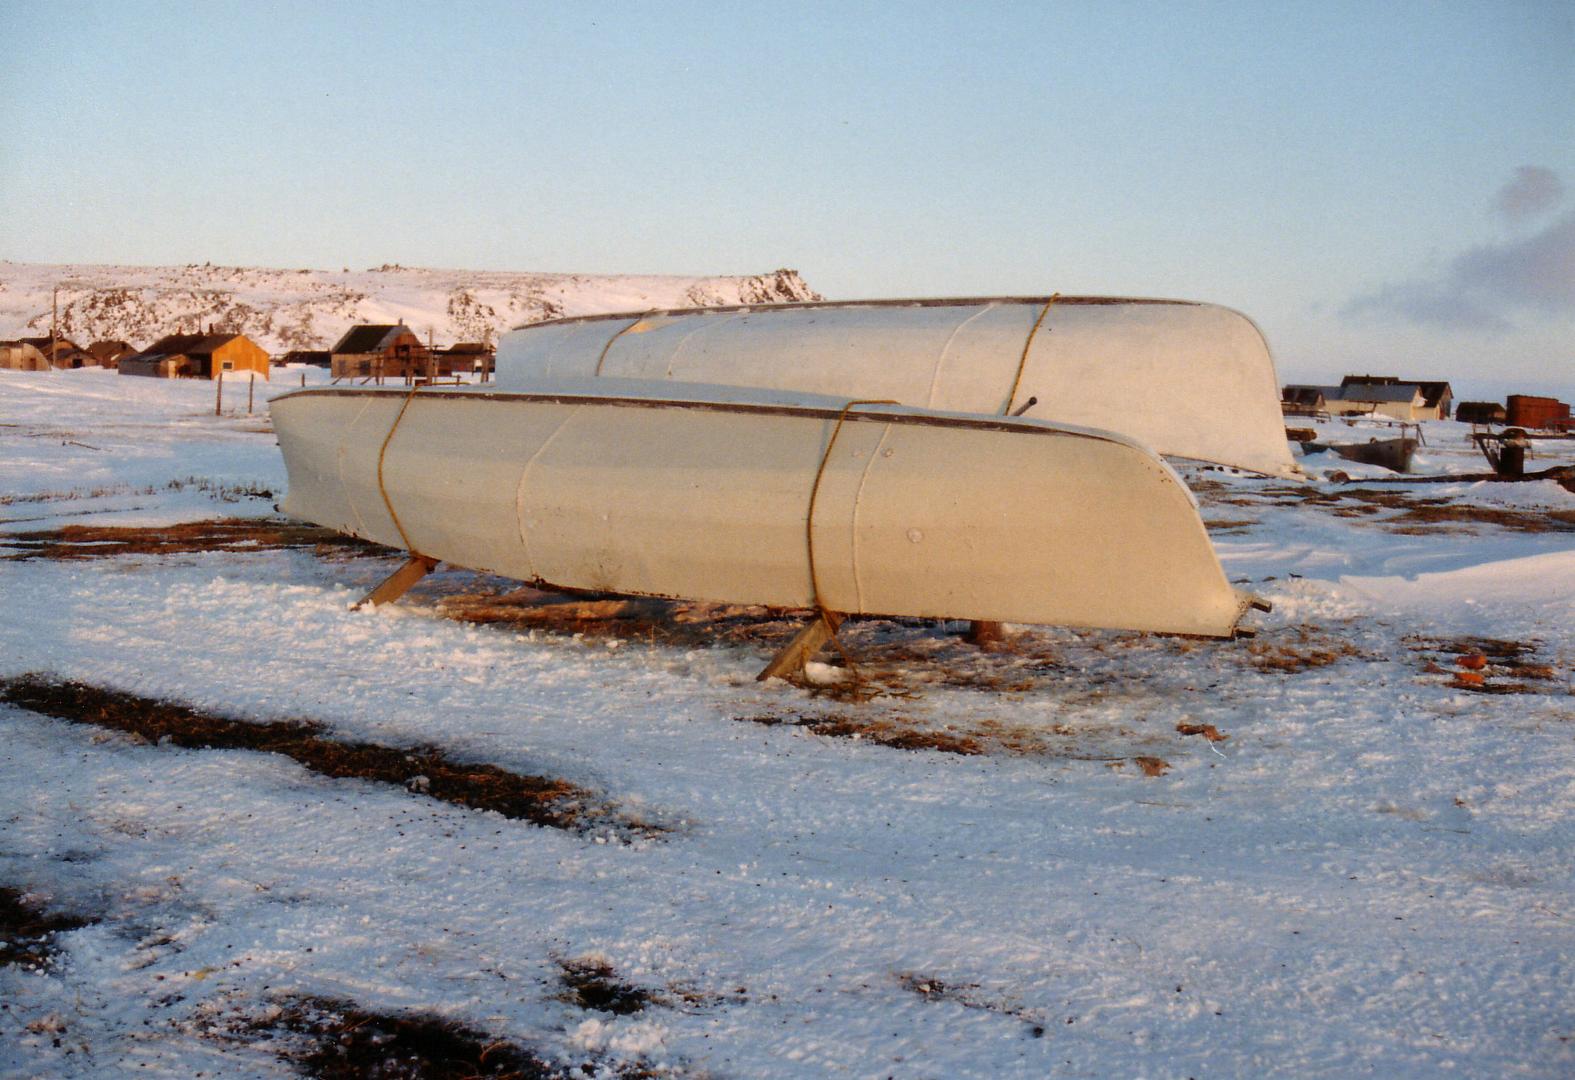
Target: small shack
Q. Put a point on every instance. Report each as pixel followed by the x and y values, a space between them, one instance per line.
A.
pixel 1480 412
pixel 22 356
pixel 197 356
pixel 379 352
pixel 466 358
pixel 1527 411
pixel 1303 400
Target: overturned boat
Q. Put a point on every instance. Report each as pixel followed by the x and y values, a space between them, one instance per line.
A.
pixel 1186 379
pixel 751 496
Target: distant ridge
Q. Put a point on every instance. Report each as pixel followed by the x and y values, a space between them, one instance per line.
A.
pixel 310 309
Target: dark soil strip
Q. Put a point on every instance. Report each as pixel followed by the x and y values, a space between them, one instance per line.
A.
pixel 593 984
pixel 931 989
pixel 422 770
pixel 70 542
pixel 27 932
pixel 878 731
pixel 348 1043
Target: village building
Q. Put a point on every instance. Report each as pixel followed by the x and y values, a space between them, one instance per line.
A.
pixel 1398 401
pixel 310 357
pixel 60 352
pixel 197 356
pixel 1480 412
pixel 1528 411
pixel 466 358
pixel 22 356
pixel 1436 396
pixel 380 352
pixel 109 354
pixel 1303 400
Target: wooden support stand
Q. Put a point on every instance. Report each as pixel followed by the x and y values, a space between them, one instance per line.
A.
pixel 805 644
pixel 398 583
pixel 981 632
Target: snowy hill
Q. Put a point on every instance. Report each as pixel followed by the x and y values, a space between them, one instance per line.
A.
pixel 310 309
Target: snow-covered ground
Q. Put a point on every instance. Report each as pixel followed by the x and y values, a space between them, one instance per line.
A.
pixel 311 309
pixel 1372 874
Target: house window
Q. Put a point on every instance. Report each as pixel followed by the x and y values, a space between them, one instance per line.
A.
pixel 228 365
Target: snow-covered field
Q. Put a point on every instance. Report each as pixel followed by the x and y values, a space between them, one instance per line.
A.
pixel 1371 874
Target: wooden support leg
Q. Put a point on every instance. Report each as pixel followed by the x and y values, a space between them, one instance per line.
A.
pixel 398 583
pixel 981 632
pixel 805 644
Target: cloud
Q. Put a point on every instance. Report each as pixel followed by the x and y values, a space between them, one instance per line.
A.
pixel 1485 287
pixel 1533 192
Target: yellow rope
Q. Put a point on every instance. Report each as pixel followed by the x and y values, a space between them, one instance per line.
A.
pixel 381 453
pixel 1022 361
pixel 602 359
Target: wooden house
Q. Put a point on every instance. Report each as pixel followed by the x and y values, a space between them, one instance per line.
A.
pixel 109 354
pixel 197 356
pixel 380 352
pixel 22 356
pixel 1398 401
pixel 1436 396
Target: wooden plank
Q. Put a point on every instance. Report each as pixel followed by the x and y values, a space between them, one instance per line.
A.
pixel 802 649
pixel 398 583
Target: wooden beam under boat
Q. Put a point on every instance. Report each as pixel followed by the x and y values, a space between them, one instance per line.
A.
pixel 756 498
pixel 1190 380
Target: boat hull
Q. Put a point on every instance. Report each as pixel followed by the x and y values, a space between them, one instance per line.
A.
pixel 1187 379
pixel 915 513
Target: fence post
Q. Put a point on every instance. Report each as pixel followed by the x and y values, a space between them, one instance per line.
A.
pixel 218 391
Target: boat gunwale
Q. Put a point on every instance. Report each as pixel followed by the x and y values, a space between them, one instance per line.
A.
pixel 919 302
pixel 877 411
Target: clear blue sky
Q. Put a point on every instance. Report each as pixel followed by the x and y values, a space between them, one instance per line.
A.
pixel 1381 185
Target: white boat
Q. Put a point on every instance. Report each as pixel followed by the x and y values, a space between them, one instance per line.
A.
pixel 751 496
pixel 1189 380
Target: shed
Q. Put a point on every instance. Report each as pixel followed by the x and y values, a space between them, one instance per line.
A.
pixel 467 358
pixel 22 356
pixel 1480 412
pixel 380 352
pixel 1304 400
pixel 197 356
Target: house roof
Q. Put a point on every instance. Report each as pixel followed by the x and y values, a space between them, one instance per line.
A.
pixel 110 348
pixel 1379 392
pixel 370 338
pixel 185 345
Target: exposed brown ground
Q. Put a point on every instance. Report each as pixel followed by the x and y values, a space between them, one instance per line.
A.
pixel 1490 666
pixel 235 535
pixel 27 930
pixel 1406 511
pixel 425 771
pixel 339 1041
